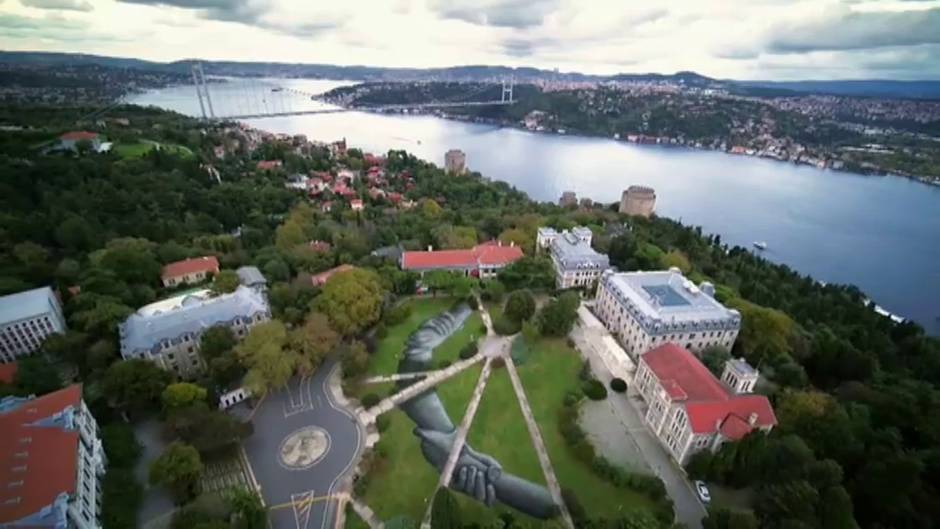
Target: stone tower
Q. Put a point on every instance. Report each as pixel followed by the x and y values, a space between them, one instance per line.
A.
pixel 638 200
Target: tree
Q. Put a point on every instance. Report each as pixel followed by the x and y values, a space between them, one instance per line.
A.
pixel 355 359
pixel 120 445
pixel 263 354
pixel 519 238
pixel 276 270
pixel 535 272
pixel 675 258
pixel 449 237
pixel 134 385
pixel 75 233
pixel 352 301
pixel 35 375
pixel 248 511
pixel 530 332
pixel 431 209
pixel 714 358
pixel 178 468
pixel 224 282
pixel 445 511
pixel 181 395
pixel 557 317
pixel 520 306
pixel 208 430
pixel 313 341
pixel 216 341
pixel 725 518
pixel 101 315
pixel 132 259
pixel 493 290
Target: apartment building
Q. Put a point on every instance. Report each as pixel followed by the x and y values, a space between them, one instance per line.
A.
pixel 647 309
pixel 26 319
pixel 576 263
pixel 168 332
pixel 52 462
pixel 689 410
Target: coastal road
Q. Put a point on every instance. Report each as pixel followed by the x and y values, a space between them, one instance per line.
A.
pixel 303 444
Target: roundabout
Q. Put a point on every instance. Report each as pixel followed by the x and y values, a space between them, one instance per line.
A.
pixel 304 448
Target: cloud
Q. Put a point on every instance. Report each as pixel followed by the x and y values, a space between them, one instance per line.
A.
pixel 853 30
pixel 500 13
pixel 295 20
pixel 53 28
pixel 66 5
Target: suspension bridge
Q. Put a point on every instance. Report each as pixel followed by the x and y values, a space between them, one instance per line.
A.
pixel 252 98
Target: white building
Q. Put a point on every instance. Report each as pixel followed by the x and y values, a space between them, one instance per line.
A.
pixel 647 309
pixel 26 319
pixel 689 410
pixel 168 332
pixel 53 462
pixel 576 263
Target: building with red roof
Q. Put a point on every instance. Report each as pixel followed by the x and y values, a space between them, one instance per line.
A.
pixel 320 246
pixel 483 260
pixel 690 410
pixel 189 271
pixel 356 204
pixel 52 462
pixel 269 165
pixel 69 140
pixel 321 279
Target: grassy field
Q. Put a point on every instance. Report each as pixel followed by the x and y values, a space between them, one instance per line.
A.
pixel 353 521
pixel 550 371
pixel 388 353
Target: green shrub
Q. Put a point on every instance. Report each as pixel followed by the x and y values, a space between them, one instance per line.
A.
pixel 506 327
pixel 370 399
pixel 575 509
pixel 443 364
pixel 483 329
pixel 468 351
pixel 472 301
pixel 381 331
pixel 594 390
pixel 618 385
pixel 398 314
pixel 382 422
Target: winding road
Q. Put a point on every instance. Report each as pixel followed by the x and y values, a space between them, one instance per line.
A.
pixel 304 444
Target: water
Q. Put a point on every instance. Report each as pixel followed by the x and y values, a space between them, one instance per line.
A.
pixel 880 233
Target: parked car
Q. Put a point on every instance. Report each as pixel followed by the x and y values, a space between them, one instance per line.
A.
pixel 702 491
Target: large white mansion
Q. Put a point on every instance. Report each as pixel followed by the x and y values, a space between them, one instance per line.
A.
pixel 647 309
pixel 576 263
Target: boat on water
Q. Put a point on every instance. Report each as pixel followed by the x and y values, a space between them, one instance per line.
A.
pixel 760 245
pixel 278 89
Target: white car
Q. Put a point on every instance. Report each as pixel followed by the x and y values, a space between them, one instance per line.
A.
pixel 702 491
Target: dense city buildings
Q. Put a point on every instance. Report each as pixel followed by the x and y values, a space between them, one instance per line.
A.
pixel 455 162
pixel 576 263
pixel 26 319
pixel 647 309
pixel 639 201
pixel 189 271
pixel 689 410
pixel 53 462
pixel 569 199
pixel 168 331
pixel 483 260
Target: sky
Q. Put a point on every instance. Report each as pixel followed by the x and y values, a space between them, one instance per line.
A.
pixel 739 39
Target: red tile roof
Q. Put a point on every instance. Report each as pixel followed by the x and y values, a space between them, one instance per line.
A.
pixel 49 454
pixel 269 164
pixel 78 135
pixel 489 253
pixel 7 372
pixel 189 266
pixel 709 404
pixel 321 278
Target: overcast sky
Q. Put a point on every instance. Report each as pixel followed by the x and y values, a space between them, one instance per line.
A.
pixel 743 39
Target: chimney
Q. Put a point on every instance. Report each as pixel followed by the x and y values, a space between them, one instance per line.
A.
pixel 430 248
pixel 499 242
pixel 512 244
pixel 752 419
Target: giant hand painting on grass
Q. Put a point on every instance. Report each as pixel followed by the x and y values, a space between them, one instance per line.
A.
pixel 477 475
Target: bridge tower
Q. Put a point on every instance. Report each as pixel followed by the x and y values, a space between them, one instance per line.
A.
pixel 506 96
pixel 202 91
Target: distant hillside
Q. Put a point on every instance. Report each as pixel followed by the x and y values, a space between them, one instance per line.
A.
pixel 876 88
pixel 865 87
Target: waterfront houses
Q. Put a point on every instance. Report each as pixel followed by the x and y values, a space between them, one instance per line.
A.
pixel 648 309
pixel 26 319
pixel 53 462
pixel 167 332
pixel 577 264
pixel 689 410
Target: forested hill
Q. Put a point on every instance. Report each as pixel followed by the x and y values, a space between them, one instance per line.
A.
pixel 856 395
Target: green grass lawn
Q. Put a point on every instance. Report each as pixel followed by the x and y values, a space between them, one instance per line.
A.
pixel 142 147
pixel 353 521
pixel 550 371
pixel 388 353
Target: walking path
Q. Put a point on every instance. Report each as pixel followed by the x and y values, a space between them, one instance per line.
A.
pixel 397 376
pixel 540 450
pixel 435 378
pixel 464 427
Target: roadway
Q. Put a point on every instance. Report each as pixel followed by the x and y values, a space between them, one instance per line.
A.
pixel 301 493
